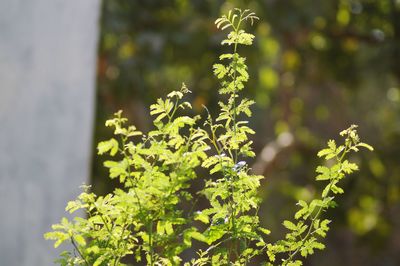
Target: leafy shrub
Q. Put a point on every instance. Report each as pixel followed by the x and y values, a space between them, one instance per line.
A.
pixel 148 219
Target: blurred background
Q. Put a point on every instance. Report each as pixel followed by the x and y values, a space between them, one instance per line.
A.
pixel 316 67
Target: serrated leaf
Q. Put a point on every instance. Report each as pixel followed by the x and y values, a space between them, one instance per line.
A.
pixel 318 245
pixel 80 240
pixel 337 190
pixel 348 167
pixel 324 152
pixel 304 209
pixel 289 225
pixel 324 173
pixel 109 145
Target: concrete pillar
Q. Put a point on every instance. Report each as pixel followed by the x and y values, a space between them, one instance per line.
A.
pixel 47 80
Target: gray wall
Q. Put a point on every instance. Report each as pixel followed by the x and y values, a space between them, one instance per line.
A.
pixel 47 81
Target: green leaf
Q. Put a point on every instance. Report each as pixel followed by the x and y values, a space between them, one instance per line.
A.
pixel 220 70
pixel 160 227
pixel 225 56
pixel 58 243
pixel 80 240
pixel 75 205
pixel 330 152
pixel 177 94
pixel 318 245
pixel 109 145
pixel 155 109
pixel 198 236
pixel 60 237
pixel 214 234
pixel 264 231
pixel 99 261
pixel 168 228
pixel 304 209
pixel 289 225
pixel 324 152
pixel 365 145
pixel 93 249
pixel 200 216
pixel 326 191
pixel 295 263
pixel 348 167
pixel 324 173
pixel 160 117
pixel 337 190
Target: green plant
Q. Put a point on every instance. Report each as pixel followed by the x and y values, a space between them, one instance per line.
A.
pixel 153 215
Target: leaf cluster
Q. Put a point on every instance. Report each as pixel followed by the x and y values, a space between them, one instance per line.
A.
pixel 309 225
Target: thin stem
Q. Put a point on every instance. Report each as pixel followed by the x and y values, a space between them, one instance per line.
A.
pixel 107 228
pixel 235 152
pixel 120 240
pixel 216 245
pixel 126 157
pixel 234 83
pixel 79 252
pixel 170 116
pixel 313 219
pixel 151 248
